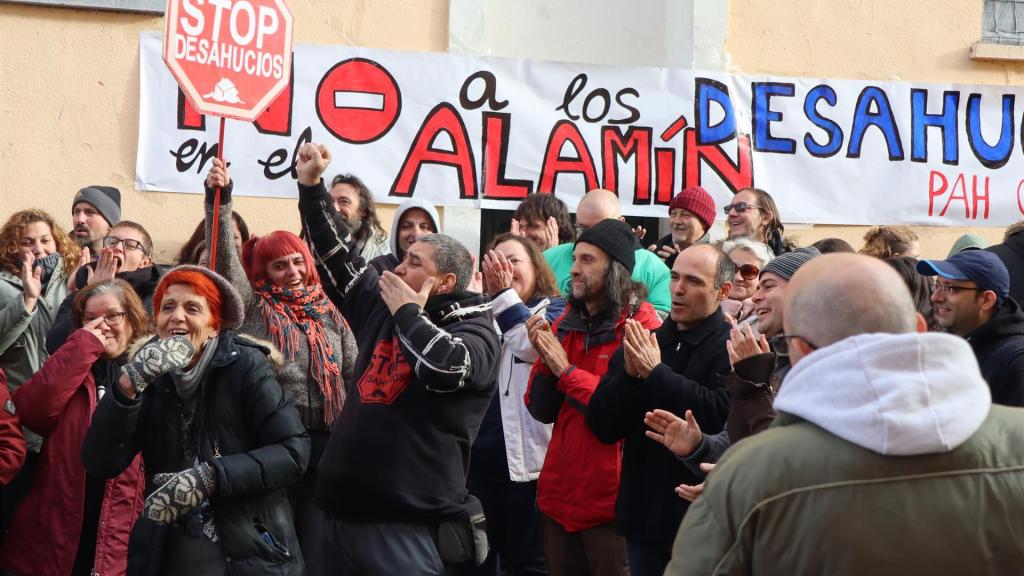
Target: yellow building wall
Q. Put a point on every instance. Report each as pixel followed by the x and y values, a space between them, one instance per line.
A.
pixel 69 89
pixel 867 39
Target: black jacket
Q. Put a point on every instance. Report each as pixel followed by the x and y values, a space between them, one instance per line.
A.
pixel 666 241
pixel 1011 252
pixel 144 281
pixel 400 449
pixel 999 346
pixel 689 378
pixel 248 430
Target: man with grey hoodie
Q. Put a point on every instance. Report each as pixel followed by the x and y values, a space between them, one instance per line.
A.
pixel 415 217
pixel 887 456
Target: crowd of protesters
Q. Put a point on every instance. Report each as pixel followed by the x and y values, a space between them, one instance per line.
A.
pixel 578 400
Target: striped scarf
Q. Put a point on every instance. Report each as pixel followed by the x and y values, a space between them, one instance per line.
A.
pixel 290 313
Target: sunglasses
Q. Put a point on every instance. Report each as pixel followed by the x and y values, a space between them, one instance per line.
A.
pixel 739 207
pixel 749 271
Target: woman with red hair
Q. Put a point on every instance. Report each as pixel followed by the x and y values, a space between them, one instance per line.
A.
pixel 220 440
pixel 286 305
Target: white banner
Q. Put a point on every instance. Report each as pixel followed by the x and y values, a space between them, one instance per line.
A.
pixel 484 132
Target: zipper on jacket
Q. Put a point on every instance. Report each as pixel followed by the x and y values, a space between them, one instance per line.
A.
pixel 511 367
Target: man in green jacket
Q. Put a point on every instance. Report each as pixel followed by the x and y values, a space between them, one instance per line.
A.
pixel 650 271
pixel 887 457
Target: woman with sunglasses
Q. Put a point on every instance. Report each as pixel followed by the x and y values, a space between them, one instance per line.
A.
pixel 750 258
pixel 72 522
pixel 752 214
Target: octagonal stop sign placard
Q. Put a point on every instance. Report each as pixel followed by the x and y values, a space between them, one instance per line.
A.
pixel 230 57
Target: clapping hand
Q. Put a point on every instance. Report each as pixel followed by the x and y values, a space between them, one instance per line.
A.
pixel 640 349
pixel 497 272
pixel 83 260
pixel 681 437
pixel 690 493
pixel 106 267
pixel 31 282
pixel 547 345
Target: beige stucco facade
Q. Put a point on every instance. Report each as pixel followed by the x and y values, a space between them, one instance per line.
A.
pixel 69 86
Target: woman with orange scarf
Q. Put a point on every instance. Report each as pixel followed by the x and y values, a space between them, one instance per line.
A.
pixel 286 305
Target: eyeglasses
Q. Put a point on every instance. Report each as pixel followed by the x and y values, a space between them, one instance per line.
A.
pixel 941 287
pixel 112 319
pixel 749 271
pixel 780 343
pixel 129 244
pixel 739 207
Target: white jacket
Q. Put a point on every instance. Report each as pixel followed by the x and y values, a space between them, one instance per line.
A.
pixel 526 440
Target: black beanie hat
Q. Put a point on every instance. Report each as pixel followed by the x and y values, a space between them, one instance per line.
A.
pixel 616 238
pixel 106 199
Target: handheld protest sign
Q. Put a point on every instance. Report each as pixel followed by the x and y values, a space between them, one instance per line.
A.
pixel 231 58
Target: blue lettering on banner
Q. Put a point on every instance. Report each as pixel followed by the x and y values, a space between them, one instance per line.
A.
pixel 709 91
pixel 834 131
pixel 882 118
pixel 921 120
pixel 990 156
pixel 762 117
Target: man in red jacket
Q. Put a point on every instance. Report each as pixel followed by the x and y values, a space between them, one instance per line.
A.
pixel 579 482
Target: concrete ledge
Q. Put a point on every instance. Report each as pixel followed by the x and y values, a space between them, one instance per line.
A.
pixel 1003 52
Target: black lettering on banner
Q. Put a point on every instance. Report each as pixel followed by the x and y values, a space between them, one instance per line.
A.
pixel 190 151
pixel 489 95
pixel 634 114
pixel 605 96
pixel 280 156
pixel 571 92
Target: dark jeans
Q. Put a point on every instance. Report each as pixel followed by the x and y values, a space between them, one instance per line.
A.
pixel 309 518
pixel 597 551
pixel 356 549
pixel 513 527
pixel 646 559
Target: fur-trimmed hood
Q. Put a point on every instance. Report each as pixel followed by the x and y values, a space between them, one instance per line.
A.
pixel 274 356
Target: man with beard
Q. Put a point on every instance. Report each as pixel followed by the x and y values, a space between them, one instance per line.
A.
pixel 579 481
pixel 678 368
pixel 355 204
pixel 94 211
pixel 414 218
pixel 690 215
pixel 393 476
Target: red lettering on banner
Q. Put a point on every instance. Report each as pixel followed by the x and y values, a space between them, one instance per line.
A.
pixel 665 163
pixel 736 175
pixel 495 185
pixel 555 164
pixel 938 186
pixel 443 118
pixel 635 144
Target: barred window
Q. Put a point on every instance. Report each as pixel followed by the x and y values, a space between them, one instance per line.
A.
pixel 1003 22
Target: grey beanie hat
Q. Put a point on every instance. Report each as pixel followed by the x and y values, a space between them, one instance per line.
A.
pixel 232 311
pixel 106 199
pixel 785 265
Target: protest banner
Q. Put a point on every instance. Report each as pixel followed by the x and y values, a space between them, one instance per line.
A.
pixel 485 132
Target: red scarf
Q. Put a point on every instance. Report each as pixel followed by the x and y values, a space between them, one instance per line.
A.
pixel 290 313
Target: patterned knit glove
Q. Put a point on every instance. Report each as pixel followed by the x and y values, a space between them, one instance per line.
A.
pixel 158 357
pixel 178 494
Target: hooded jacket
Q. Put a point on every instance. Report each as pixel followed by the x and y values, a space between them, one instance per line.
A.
pixel 12 441
pixel 1011 252
pixel 579 482
pixel 887 457
pixel 424 377
pixel 688 378
pixel 58 402
pixel 23 334
pixel 999 347
pixel 391 261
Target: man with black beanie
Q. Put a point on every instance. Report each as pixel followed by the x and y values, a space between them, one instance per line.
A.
pixel 579 482
pixel 94 211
